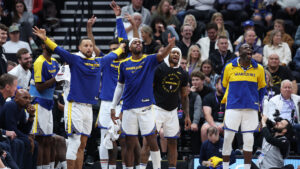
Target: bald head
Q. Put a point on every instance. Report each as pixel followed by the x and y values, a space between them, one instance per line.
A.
pixel 22 98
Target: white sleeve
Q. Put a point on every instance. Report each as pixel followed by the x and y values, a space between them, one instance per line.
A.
pixel 117 95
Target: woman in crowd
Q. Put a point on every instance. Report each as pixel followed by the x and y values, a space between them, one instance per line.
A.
pixel 276 46
pixel 210 76
pixel 149 45
pixel 218 19
pixel 25 20
pixel 193 59
pixel 199 27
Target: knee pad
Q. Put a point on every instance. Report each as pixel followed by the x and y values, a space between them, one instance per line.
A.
pixel 248 139
pixel 73 145
pixel 227 145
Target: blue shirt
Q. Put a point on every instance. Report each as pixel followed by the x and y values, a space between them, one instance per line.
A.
pixel 43 71
pixel 138 75
pixel 85 73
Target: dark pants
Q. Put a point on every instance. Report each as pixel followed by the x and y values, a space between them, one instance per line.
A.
pixel 8 160
pixel 30 158
pixel 17 151
pixel 297 133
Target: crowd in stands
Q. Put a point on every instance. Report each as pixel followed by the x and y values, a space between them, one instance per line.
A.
pixel 209 34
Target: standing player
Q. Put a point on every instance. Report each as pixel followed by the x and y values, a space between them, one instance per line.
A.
pixel 85 71
pixel 170 81
pixel 245 84
pixel 42 88
pixel 135 78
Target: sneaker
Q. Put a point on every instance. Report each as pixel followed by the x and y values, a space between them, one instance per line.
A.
pixel 89 160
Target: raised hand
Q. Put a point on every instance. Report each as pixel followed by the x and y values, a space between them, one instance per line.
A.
pixel 41 33
pixel 130 19
pixel 31 110
pixel 171 41
pixel 116 8
pixel 91 21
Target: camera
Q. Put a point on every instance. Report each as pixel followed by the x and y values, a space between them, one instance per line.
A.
pixel 270 124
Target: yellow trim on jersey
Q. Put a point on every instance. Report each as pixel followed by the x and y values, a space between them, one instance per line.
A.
pixel 52 45
pixel 38 66
pixel 138 60
pixel 34 128
pixel 69 118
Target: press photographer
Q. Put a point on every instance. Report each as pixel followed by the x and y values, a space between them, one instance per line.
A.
pixel 276 144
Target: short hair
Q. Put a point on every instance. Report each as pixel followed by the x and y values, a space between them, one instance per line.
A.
pixel 7 79
pixel 21 52
pixel 198 74
pixel 114 41
pixel 3 27
pixel 246 32
pixel 11 63
pixel 279 21
pixel 223 37
pixel 211 25
pixel 86 38
pixel 182 27
pixel 212 130
pixel 136 14
pixel 284 81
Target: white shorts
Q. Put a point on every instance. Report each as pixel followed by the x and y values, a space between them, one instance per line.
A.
pixel 168 120
pixel 43 121
pixel 142 118
pixel 104 118
pixel 78 118
pixel 246 118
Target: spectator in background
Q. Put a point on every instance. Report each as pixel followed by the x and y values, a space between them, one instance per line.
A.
pixel 35 7
pixel 210 75
pixel 280 73
pixel 193 59
pixel 183 64
pixel 137 6
pixel 10 65
pixel 198 79
pixel 279 25
pixel 13 117
pixel 164 11
pixel 15 44
pixel 22 71
pixel 235 11
pixel 21 16
pixel 202 9
pixel 250 38
pixel 261 12
pixel 208 44
pixel 212 111
pixel 186 42
pixel 248 25
pixel 149 45
pixel 198 27
pixel 221 56
pixel 276 46
pixel 217 18
pixel 160 34
pixel 297 38
pixel 3 38
pixel 211 150
pixel 133 21
pixel 5 17
pixel 289 10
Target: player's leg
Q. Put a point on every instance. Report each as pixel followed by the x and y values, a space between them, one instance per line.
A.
pixel 112 154
pixel 148 129
pixel 103 152
pixel 130 129
pixel 248 126
pixel 232 122
pixel 145 153
pixel 52 151
pixel 123 149
pixel 163 143
pixel 80 152
pixel 61 149
pixel 137 153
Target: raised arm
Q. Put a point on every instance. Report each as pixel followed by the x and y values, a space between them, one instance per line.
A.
pixel 133 26
pixel 119 22
pixel 165 52
pixel 89 31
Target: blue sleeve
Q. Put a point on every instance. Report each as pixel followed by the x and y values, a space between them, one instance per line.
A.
pixel 203 150
pixel 261 94
pixel 66 56
pixel 107 59
pixel 10 110
pixel 153 60
pixel 25 125
pixel 121 30
pixel 121 77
